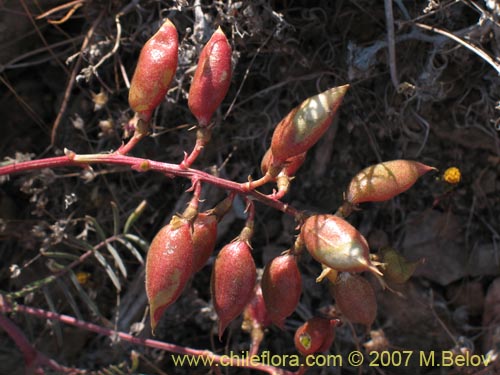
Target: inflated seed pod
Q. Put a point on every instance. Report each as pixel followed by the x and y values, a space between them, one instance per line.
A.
pixel 233 281
pixel 383 181
pixel 154 71
pixel 255 313
pixel 204 239
pixel 305 124
pixel 169 265
pixel 334 242
pixel 315 336
pixel 281 287
pixel 355 298
pixel 211 79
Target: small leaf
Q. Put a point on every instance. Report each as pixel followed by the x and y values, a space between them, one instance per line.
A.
pixel 71 300
pixel 112 275
pixel 132 249
pixel 397 269
pixel 56 326
pixel 60 255
pixel 144 245
pixel 100 232
pixel 134 216
pixel 117 258
pixel 116 218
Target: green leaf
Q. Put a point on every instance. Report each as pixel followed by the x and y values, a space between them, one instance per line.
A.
pixel 134 216
pixel 116 218
pixel 56 326
pixel 132 249
pixel 100 232
pixel 112 275
pixel 71 300
pixel 60 255
pixel 138 241
pixel 117 258
pixel 397 268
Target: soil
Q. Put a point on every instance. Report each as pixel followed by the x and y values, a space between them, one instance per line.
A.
pixel 64 78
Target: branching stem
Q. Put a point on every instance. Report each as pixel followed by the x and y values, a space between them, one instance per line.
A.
pixel 142 165
pixel 66 319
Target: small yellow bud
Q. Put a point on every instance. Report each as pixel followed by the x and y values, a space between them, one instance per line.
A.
pixel 83 277
pixel 452 175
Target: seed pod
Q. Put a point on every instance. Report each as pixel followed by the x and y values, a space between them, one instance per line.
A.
pixel 255 319
pixel 334 242
pixel 255 313
pixel 211 78
pixel 315 336
pixel 204 238
pixel 233 282
pixel 281 287
pixel 154 71
pixel 381 182
pixel 355 298
pixel 305 124
pixel 168 266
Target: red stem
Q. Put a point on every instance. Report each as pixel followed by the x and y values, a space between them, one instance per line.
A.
pixel 136 340
pixel 142 165
pixel 198 148
pixel 132 142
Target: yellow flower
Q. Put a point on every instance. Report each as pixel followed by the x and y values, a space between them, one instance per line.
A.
pixel 452 175
pixel 83 277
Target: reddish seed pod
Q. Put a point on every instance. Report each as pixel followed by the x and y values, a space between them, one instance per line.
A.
pixel 381 182
pixel 204 238
pixel 305 124
pixel 168 266
pixel 255 319
pixel 233 282
pixel 355 298
pixel 154 71
pixel 315 336
pixel 255 314
pixel 334 242
pixel 211 79
pixel 281 287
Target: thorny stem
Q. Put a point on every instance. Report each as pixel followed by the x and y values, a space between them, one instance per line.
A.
pixel 247 232
pixel 203 135
pixel 132 142
pixel 143 165
pixel 191 211
pixel 39 313
pixel 252 185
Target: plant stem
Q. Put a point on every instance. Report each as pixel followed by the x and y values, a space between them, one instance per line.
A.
pixel 142 165
pixel 217 359
pixel 132 142
pixel 32 358
pixel 203 135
